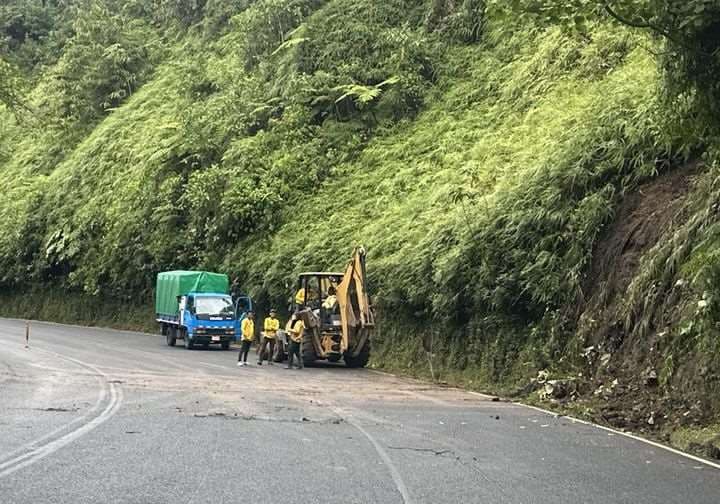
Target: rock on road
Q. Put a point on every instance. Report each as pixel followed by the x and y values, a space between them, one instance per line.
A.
pixel 99 416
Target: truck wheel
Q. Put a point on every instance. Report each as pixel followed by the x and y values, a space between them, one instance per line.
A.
pixel 170 336
pixel 360 360
pixel 188 344
pixel 308 349
pixel 225 345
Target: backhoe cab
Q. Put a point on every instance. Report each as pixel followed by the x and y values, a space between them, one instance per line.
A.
pixel 335 308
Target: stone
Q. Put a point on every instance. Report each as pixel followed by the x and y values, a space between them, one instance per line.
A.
pixel 651 378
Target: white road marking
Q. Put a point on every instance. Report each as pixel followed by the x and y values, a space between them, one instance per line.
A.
pixel 38 453
pixel 34 444
pixel 394 473
pixel 585 422
pixel 626 434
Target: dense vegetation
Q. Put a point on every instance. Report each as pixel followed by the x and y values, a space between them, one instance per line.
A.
pixel 478 149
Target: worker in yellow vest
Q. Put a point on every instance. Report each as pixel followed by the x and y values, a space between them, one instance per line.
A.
pixel 297 327
pixel 248 335
pixel 305 298
pixel 269 336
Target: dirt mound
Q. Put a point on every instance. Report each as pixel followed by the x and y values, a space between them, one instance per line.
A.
pixel 623 383
pixel 641 220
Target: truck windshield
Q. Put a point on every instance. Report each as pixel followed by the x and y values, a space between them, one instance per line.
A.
pixel 213 306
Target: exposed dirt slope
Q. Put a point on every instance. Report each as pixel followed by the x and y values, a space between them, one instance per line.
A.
pixel 642 219
pixel 625 387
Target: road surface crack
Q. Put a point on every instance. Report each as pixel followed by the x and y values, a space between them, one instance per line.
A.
pixel 260 418
pixel 422 450
pixel 58 410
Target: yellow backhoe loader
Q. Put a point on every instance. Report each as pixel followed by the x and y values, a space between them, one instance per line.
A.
pixel 338 317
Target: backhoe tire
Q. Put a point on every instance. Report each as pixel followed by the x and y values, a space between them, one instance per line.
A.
pixel 308 349
pixel 360 360
pixel 170 336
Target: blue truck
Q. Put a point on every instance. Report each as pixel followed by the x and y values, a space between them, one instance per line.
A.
pixel 194 306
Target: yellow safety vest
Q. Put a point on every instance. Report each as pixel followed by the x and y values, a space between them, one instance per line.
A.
pixel 248 329
pixel 271 326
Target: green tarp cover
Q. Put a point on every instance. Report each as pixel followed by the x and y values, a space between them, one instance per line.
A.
pixel 171 284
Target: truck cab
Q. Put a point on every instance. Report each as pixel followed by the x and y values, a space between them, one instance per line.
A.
pixel 208 319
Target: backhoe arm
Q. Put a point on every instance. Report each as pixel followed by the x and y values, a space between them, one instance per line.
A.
pixel 356 315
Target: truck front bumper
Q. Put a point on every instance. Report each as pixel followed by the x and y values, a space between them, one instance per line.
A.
pixel 209 339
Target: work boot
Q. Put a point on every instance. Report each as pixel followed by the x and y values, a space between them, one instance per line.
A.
pixel 259 363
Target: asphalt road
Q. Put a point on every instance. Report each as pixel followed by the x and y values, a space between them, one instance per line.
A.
pixel 101 416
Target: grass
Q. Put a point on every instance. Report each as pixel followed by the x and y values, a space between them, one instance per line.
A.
pixel 56 305
pixel 697 439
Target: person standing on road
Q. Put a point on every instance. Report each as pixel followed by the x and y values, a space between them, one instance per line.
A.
pixel 248 334
pixel 296 335
pixel 270 329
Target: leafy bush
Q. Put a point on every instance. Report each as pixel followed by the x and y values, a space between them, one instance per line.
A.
pixel 688 33
pixel 107 59
pixel 32 32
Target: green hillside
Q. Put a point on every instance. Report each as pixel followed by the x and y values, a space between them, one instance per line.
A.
pixel 535 182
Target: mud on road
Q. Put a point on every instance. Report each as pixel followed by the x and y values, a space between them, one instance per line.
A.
pixel 91 415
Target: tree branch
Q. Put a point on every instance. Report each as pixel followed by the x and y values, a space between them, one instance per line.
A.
pixel 628 22
pixel 639 24
pixel 657 29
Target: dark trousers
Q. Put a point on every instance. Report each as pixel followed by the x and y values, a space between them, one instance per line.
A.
pixel 244 349
pixel 294 351
pixel 269 344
